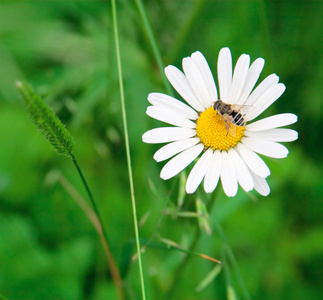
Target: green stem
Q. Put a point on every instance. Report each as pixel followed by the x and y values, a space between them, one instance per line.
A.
pixel 103 236
pixel 124 118
pixel 265 34
pixel 185 30
pixel 86 187
pixel 226 270
pixel 153 44
pixel 230 255
pixel 195 241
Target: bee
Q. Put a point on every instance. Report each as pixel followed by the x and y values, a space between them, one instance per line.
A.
pixel 230 114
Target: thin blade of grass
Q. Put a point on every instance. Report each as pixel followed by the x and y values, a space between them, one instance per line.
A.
pixel 124 119
pixel 203 217
pixel 228 254
pixel 94 219
pixel 181 189
pixel 153 44
pixel 209 278
pixel 171 244
pixel 231 293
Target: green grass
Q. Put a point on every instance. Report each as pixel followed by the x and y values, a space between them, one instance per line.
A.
pixel 66 50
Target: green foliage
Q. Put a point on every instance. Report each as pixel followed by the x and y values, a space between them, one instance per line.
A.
pixel 46 121
pixel 49 249
pixel 51 276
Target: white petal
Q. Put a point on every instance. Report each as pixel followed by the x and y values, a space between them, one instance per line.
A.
pixel 243 175
pixel 266 84
pixel 264 147
pixel 239 78
pixel 180 162
pixel 267 99
pixel 213 173
pixel 196 81
pixel 171 149
pixel 253 161
pixel 167 134
pixel 198 172
pixel 261 185
pixel 277 135
pixel 207 75
pixel 228 175
pixel 272 122
pixel 181 85
pixel 168 116
pixel 162 100
pixel 224 73
pixel 252 77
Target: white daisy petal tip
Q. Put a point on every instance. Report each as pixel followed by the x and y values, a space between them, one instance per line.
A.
pixel 274 76
pixel 169 68
pixel 296 136
pixel 261 185
pixel 231 192
pixel 245 57
pixel 261 62
pixel 144 137
pixel 197 54
pixel 283 87
pixel 189 189
pixel 225 51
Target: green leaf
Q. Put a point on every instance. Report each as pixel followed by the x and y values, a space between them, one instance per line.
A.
pixel 209 278
pixel 203 218
pixel 231 293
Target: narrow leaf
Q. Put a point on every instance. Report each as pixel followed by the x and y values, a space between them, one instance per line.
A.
pixel 231 293
pixel 203 218
pixel 209 278
pixel 173 245
pixel 181 189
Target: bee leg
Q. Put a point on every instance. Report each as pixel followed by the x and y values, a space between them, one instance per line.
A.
pixel 227 127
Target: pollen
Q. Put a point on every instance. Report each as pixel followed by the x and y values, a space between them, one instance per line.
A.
pixel 217 133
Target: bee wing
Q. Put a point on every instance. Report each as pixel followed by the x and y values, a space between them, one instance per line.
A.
pixel 242 109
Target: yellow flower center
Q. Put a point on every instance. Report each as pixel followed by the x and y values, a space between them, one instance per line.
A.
pixel 216 132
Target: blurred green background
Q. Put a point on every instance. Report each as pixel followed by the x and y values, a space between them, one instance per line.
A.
pixel 65 49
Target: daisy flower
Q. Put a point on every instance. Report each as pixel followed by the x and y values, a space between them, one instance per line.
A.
pixel 220 137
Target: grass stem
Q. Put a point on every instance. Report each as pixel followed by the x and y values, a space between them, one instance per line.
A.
pixel 103 236
pixel 195 241
pixel 124 118
pixel 153 44
pixel 227 252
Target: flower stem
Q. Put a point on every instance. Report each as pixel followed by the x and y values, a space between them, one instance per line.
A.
pixel 153 44
pixel 103 236
pixel 124 118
